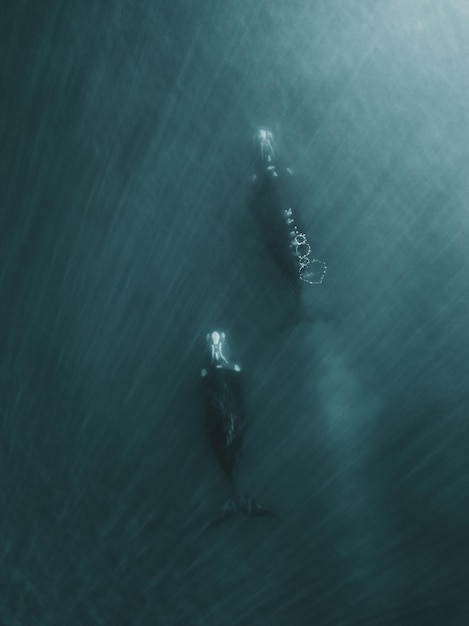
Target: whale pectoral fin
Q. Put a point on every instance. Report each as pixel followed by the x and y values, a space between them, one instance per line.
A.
pixel 249 506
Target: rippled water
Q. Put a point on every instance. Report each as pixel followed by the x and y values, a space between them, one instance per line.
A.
pixel 125 237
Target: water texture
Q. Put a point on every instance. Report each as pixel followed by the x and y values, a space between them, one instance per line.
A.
pixel 125 237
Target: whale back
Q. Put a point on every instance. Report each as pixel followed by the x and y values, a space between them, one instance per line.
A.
pixel 224 415
pixel 271 204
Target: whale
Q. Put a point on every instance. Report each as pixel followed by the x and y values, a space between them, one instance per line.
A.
pixel 272 202
pixel 222 389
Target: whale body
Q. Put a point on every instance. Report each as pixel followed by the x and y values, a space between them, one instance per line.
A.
pixel 224 421
pixel 272 204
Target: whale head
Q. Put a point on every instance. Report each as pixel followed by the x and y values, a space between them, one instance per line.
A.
pixel 218 348
pixel 216 342
pixel 264 150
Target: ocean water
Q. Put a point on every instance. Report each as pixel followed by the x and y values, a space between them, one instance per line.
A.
pixel 125 237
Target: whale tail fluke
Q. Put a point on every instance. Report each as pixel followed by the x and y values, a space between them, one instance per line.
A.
pixel 240 504
pixel 249 506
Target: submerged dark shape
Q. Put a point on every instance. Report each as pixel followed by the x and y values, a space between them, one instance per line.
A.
pixel 224 420
pixel 272 204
